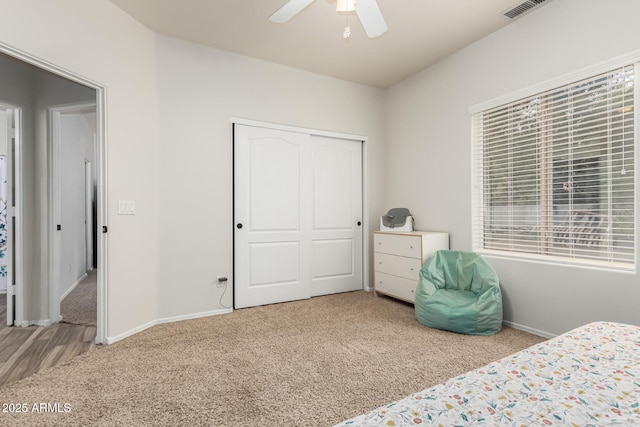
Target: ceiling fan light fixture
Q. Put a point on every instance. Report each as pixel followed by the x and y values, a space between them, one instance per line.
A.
pixel 346 5
pixel 367 11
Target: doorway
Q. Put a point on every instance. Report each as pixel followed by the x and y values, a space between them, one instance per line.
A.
pixel 298 214
pixel 73 151
pixel 10 217
pixel 36 85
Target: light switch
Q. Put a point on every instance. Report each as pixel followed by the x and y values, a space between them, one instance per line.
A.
pixel 126 207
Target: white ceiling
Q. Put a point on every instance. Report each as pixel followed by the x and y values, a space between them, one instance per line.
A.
pixel 421 32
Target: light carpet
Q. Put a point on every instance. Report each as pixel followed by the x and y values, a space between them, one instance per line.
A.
pixel 80 306
pixel 307 363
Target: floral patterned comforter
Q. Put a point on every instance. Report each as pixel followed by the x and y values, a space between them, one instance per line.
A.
pixel 586 377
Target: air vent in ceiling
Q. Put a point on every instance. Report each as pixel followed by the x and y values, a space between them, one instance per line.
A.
pixel 522 8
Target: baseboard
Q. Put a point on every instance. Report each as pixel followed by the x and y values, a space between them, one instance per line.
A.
pixel 84 276
pixel 528 329
pixel 27 323
pixel 194 316
pixel 111 340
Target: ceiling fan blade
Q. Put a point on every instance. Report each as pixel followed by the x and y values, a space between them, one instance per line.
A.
pixel 289 10
pixel 371 18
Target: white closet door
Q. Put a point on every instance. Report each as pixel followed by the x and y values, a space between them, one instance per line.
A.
pixel 336 233
pixel 271 263
pixel 296 215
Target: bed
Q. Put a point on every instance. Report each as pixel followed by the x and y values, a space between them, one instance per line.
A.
pixel 589 376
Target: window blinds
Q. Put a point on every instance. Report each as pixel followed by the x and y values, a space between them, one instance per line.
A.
pixel 555 173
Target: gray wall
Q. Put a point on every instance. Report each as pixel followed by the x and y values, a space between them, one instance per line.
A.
pixel 429 149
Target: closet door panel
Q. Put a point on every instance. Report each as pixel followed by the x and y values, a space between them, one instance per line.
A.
pixel 336 212
pixel 270 260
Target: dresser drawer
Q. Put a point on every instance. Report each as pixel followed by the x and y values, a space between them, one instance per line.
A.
pixel 397 287
pixel 397 265
pixel 407 245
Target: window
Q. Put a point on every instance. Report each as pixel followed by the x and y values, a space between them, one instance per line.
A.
pixel 555 173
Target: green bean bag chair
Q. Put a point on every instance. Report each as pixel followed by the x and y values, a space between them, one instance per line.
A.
pixel 459 292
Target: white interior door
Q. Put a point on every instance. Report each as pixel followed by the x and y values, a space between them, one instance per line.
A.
pixel 297 212
pixel 270 258
pixel 336 233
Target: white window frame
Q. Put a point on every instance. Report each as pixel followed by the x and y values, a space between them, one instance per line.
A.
pixel 568 79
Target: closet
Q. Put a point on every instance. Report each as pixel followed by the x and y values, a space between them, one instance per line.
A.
pixel 297 215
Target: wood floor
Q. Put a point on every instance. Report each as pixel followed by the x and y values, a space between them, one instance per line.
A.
pixel 25 351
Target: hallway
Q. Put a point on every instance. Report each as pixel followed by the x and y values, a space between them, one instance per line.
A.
pixel 25 351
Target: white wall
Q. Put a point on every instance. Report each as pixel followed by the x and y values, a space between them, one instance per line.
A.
pixel 200 90
pixel 100 42
pixel 429 149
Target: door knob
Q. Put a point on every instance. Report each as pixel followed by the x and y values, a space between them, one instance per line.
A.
pixel 359 223
pixel 239 225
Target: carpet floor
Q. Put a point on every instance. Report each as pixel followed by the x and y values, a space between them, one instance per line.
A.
pixel 80 306
pixel 307 363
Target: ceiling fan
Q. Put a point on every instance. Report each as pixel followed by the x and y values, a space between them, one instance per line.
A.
pixel 367 10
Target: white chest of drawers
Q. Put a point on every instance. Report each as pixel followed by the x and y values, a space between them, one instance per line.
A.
pixel 398 258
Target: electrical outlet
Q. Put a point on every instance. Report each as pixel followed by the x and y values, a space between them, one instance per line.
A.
pixel 221 281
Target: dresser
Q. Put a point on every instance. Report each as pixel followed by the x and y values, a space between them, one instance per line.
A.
pixel 398 258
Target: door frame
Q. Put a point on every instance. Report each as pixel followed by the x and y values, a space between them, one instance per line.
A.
pixel 88 212
pixel 55 205
pixel 101 175
pixel 365 213
pixel 15 266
